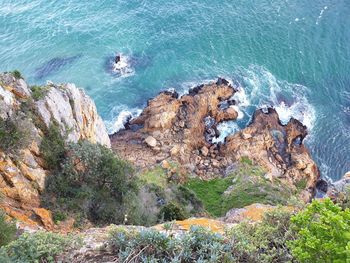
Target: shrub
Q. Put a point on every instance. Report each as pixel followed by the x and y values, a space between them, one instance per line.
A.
pixel 15 134
pixel 322 233
pixel 17 74
pixel 36 247
pixel 197 245
pixel 172 211
pixel 93 183
pixel 263 242
pixel 38 92
pixel 52 147
pixel 7 230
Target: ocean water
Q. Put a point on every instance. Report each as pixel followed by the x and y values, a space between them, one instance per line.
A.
pixel 290 54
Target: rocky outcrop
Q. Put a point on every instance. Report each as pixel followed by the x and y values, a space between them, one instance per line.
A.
pixel 183 129
pixel 23 173
pixel 340 187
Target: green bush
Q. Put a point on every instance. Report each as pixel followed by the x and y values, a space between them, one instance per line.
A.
pixel 38 92
pixel 7 230
pixel 172 211
pixel 52 147
pixel 263 242
pixel 322 233
pixel 15 134
pixel 197 245
pixel 36 247
pixel 92 183
pixel 17 74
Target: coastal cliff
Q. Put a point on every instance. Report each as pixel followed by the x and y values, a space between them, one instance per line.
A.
pixel 177 134
pixel 26 114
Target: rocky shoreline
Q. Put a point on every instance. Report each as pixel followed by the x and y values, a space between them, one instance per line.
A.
pixel 176 133
pixel 181 129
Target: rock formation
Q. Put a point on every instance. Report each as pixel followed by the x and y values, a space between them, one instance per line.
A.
pixel 23 173
pixel 182 129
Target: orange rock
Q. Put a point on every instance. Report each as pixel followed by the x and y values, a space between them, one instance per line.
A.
pixel 45 217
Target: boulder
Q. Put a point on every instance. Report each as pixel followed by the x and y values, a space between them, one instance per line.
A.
pixel 151 142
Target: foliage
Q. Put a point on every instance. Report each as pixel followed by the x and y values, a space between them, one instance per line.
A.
pixel 17 74
pixel 323 233
pixel 38 92
pixel 155 176
pixel 36 247
pixel 15 133
pixel 93 183
pixel 7 230
pixel 265 241
pixel 198 245
pixel 52 147
pixel 210 192
pixel 172 211
pixel 239 189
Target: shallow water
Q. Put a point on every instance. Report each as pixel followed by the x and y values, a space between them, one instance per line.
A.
pixel 294 55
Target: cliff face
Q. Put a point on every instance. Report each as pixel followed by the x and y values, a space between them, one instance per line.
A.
pixel 183 129
pixel 23 172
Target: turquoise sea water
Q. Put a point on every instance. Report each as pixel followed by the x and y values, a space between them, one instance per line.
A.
pixel 292 54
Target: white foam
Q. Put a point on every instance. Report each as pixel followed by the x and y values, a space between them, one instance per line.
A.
pixel 226 128
pixel 262 89
pixel 121 114
pixel 123 67
pixel 321 13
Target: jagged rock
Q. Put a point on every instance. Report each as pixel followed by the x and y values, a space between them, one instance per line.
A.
pixel 339 187
pixel 251 213
pixel 22 176
pixel 45 217
pixel 273 146
pixel 191 121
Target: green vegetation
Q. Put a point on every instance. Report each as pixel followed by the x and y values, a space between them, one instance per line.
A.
pixel 93 184
pixel 198 245
pixel 263 242
pixel 7 230
pixel 172 211
pixel 210 193
pixel 15 134
pixel 301 184
pixel 155 176
pixel 17 74
pixel 247 185
pixel 322 233
pixel 35 247
pixel 38 92
pixel 52 147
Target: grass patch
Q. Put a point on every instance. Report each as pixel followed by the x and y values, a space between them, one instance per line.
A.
pixel 245 186
pixel 301 184
pixel 156 176
pixel 210 193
